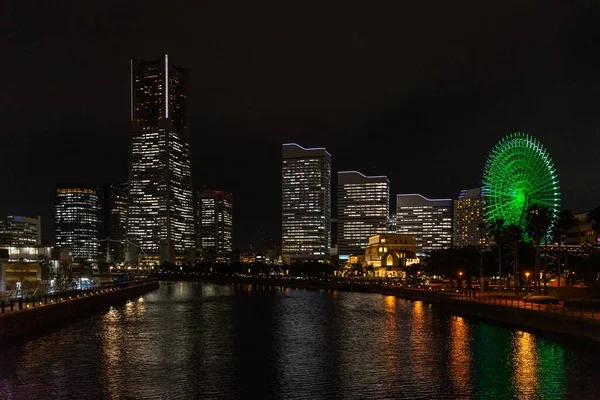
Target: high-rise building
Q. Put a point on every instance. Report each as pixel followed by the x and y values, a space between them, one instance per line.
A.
pixel 469 229
pixel 160 215
pixel 392 222
pixel 305 203
pixel 363 210
pixel 112 225
pixel 19 231
pixel 76 220
pixel 215 224
pixel 429 220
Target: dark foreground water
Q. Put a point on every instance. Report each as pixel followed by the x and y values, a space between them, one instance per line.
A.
pixel 192 340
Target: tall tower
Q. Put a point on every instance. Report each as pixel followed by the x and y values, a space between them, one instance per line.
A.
pixel 160 219
pixel 468 221
pixel 305 203
pixel 215 224
pixel 76 220
pixel 430 220
pixel 363 210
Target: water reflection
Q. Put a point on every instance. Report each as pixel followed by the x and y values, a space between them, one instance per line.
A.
pixel 207 341
pixel 525 365
pixel 460 356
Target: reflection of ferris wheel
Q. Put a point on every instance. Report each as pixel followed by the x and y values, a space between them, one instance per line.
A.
pixel 519 173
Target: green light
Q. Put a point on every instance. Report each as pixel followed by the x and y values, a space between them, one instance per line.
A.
pixel 518 174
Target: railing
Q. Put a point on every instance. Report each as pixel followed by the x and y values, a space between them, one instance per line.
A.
pixel 58 297
pixel 504 301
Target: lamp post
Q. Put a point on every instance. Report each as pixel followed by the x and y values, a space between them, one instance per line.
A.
pixel 527 282
pixel 460 280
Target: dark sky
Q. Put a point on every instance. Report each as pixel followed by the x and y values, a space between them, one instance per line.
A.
pixel 416 90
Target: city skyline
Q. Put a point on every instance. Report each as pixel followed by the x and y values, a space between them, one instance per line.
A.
pixel 253 93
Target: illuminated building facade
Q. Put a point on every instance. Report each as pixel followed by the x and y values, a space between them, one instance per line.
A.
pixel 160 215
pixel 582 231
pixel 468 219
pixel 76 220
pixel 113 221
pixel 363 210
pixel 215 224
pixel 19 231
pixel 388 253
pixel 429 220
pixel 305 203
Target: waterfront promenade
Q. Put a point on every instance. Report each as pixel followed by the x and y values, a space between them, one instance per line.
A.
pixel 31 314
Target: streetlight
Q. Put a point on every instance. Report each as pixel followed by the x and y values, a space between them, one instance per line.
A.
pixel 527 282
pixel 460 279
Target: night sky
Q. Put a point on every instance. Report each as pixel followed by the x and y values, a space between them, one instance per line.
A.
pixel 419 91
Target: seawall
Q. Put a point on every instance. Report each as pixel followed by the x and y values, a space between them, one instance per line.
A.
pixel 23 322
pixel 521 318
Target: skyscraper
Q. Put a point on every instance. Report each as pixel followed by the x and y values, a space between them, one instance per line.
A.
pixel 468 219
pixel 430 220
pixel 19 231
pixel 305 203
pixel 113 221
pixel 215 220
pixel 160 219
pixel 363 210
pixel 76 220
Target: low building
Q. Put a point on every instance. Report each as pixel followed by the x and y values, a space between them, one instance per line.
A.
pixel 582 232
pixel 389 253
pixel 16 230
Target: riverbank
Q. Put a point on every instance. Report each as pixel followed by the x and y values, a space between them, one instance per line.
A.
pixel 553 320
pixel 29 320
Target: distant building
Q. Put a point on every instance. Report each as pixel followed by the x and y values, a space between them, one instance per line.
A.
pixel 160 220
pixel 20 231
pixel 468 220
pixel 392 223
pixel 388 253
pixel 215 224
pixel 305 203
pixel 76 220
pixel 429 220
pixel 113 221
pixel 363 210
pixel 582 232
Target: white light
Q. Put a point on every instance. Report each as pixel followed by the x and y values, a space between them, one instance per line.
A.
pixel 167 85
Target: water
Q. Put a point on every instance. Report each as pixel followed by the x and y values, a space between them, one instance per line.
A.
pixel 193 340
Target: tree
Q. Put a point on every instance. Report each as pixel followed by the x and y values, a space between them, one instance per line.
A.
pixel 513 236
pixel 565 222
pixel 539 221
pixel 21 268
pixel 497 231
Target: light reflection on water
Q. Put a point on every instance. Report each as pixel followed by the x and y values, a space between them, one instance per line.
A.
pixel 191 340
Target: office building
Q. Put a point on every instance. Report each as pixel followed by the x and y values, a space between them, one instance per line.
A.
pixel 469 225
pixel 76 220
pixel 112 225
pixel 363 210
pixel 19 231
pixel 392 222
pixel 305 203
pixel 429 220
pixel 160 215
pixel 215 224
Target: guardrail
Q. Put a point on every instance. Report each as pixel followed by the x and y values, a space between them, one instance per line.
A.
pixel 505 301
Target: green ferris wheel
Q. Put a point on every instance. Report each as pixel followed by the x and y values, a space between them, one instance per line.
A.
pixel 518 174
